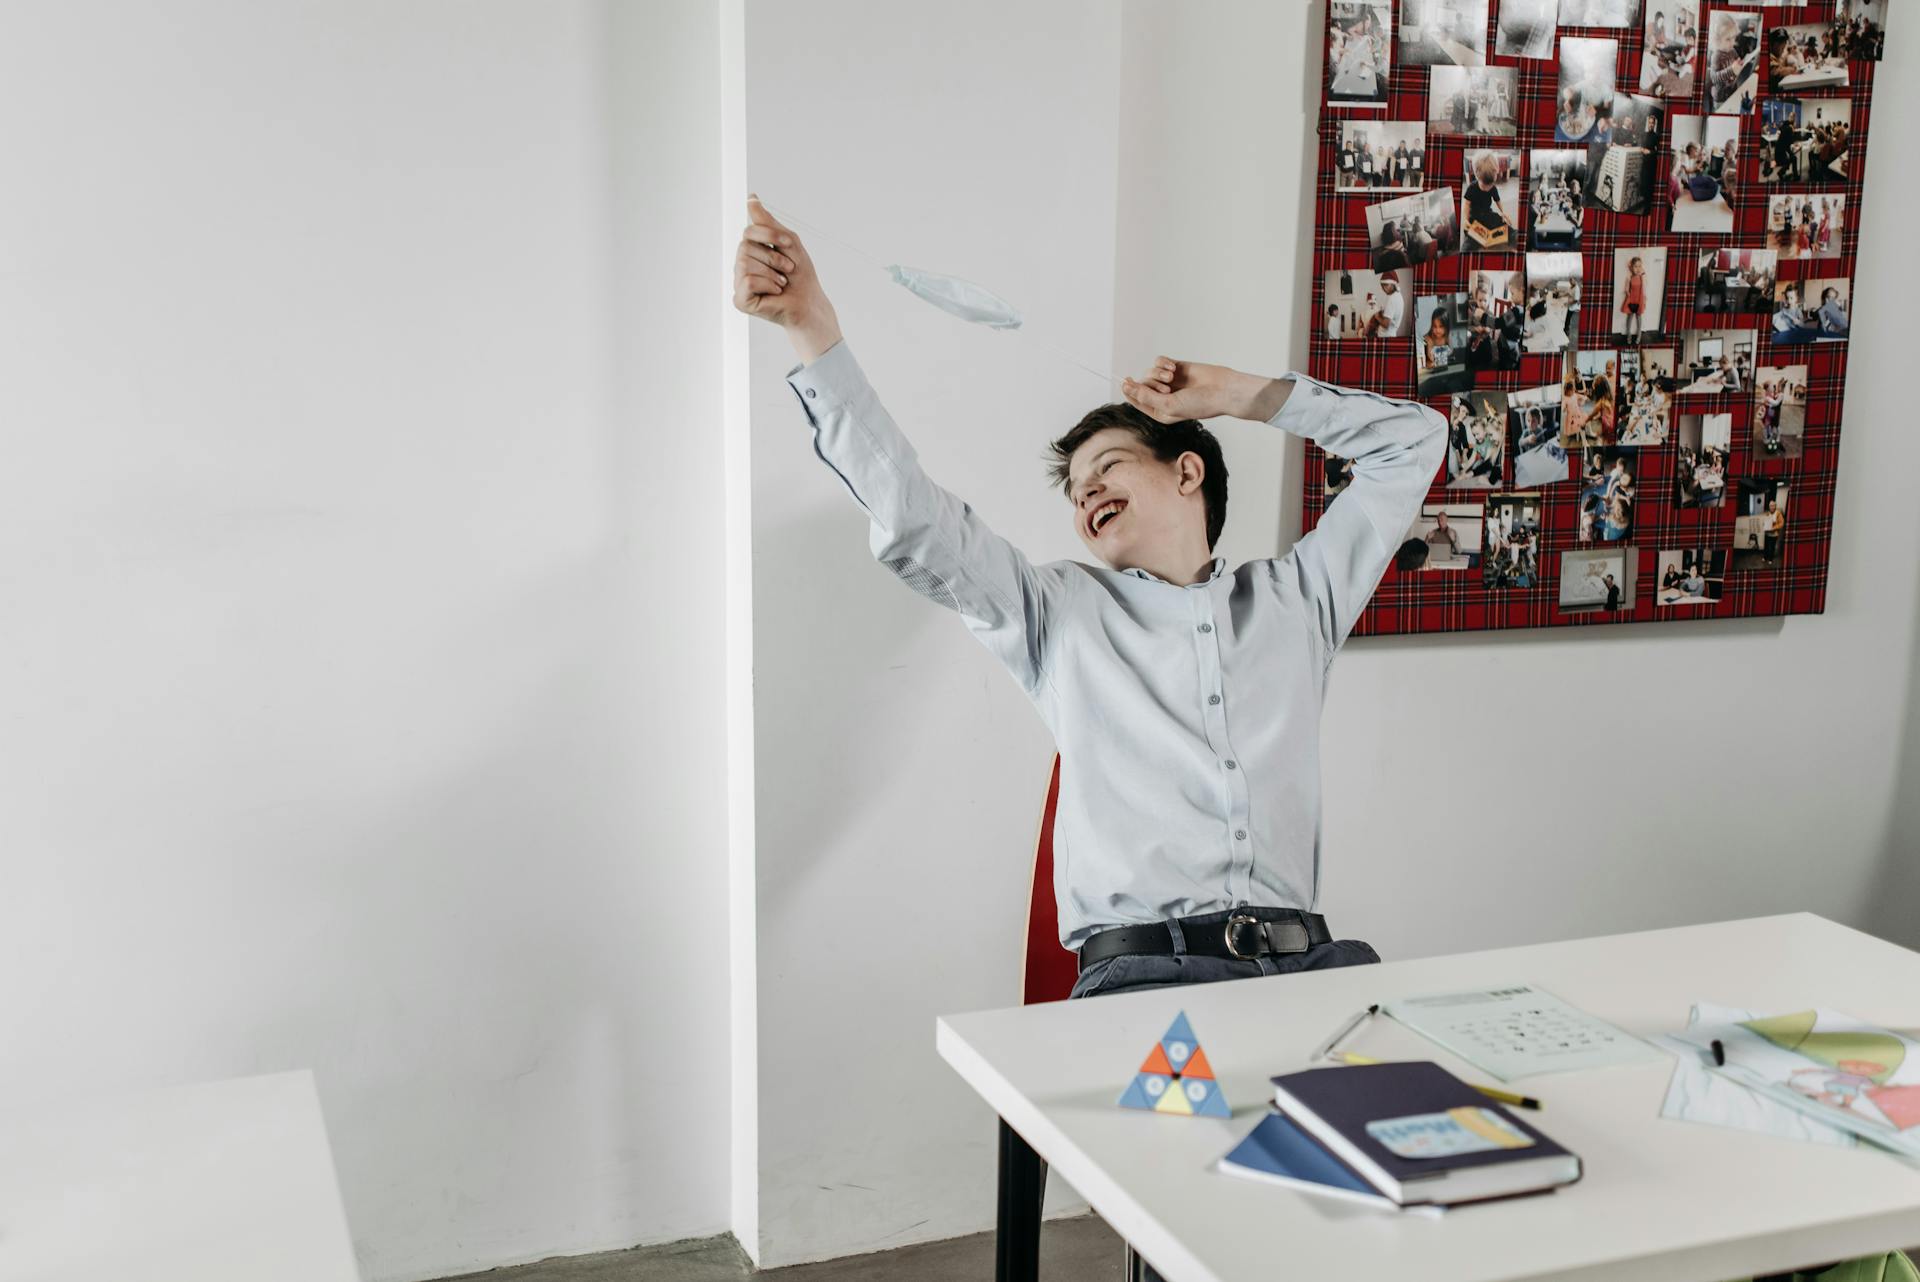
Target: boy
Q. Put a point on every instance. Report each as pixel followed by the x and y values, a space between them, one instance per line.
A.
pixel 1184 697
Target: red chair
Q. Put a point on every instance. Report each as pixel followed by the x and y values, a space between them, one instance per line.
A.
pixel 1050 969
pixel 1047 976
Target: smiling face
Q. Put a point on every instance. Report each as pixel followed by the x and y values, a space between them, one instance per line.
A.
pixel 1128 506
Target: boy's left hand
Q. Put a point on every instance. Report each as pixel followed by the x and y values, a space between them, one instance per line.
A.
pixel 1174 390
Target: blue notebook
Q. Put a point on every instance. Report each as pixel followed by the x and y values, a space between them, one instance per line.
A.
pixel 1279 1152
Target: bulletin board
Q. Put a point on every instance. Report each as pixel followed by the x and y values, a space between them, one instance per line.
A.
pixel 1662 509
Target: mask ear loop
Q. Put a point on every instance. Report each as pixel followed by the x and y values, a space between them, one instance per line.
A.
pixel 891 269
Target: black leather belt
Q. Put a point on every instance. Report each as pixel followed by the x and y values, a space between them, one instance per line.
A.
pixel 1242 936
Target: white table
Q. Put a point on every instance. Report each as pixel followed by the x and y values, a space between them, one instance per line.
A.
pixel 1817 78
pixel 1660 1200
pixel 227 1181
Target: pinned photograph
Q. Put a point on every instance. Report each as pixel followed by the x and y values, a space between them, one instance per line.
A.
pixel 1526 28
pixel 1646 395
pixel 1715 362
pixel 1410 230
pixel 1805 140
pixel 1473 100
pixel 1759 523
pixel 1587 397
pixel 1512 558
pixel 1814 310
pixel 1556 194
pixel 1553 302
pixel 1700 460
pixel 1586 90
pixel 1864 24
pixel 1621 154
pixel 1443 33
pixel 1599 13
pixel 1490 200
pixel 1607 494
pixel 1598 581
pixel 1336 474
pixel 1780 410
pixel 1704 178
pixel 1639 288
pixel 1733 61
pixel 1804 225
pixel 1690 577
pixel 1496 310
pixel 1445 536
pixel 1359 41
pixel 1533 422
pixel 1361 303
pixel 1441 336
pixel 1381 155
pixel 1811 55
pixel 1736 282
pixel 1792 377
pixel 1477 440
pixel 1670 48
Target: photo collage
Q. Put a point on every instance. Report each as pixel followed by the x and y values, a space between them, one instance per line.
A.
pixel 1614 242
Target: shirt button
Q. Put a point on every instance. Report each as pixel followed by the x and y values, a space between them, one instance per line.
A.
pixel 1232 766
pixel 809 393
pixel 1213 698
pixel 1239 834
pixel 1206 627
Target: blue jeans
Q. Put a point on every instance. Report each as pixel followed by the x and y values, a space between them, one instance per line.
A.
pixel 1131 972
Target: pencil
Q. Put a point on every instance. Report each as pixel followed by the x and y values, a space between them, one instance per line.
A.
pixel 1505 1097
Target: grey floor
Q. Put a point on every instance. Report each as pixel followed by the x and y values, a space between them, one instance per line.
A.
pixel 1077 1247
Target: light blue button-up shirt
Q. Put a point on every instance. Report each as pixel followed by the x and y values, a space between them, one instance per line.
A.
pixel 1187 717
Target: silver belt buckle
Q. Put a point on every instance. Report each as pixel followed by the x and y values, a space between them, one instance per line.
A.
pixel 1281 936
pixel 1233 921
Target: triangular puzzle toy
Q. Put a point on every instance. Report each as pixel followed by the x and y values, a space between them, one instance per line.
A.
pixel 1176 1078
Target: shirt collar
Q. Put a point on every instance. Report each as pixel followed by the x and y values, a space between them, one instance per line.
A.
pixel 1218 567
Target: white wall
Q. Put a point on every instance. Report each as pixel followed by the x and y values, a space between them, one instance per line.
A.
pixel 899 769
pixel 1750 767
pixel 359 663
pixel 1763 759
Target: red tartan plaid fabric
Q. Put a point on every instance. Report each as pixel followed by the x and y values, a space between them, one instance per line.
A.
pixel 1442 600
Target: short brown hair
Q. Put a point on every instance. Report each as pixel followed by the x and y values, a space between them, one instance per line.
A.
pixel 1167 441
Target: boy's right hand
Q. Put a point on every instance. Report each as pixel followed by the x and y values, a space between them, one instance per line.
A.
pixel 774 279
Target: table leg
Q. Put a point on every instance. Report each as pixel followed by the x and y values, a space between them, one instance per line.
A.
pixel 1023 1191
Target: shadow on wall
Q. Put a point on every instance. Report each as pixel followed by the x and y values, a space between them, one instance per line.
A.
pixel 1892 907
pixel 1295 457
pixel 850 684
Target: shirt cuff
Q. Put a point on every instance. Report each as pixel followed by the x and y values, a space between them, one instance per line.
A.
pixel 1306 406
pixel 831 378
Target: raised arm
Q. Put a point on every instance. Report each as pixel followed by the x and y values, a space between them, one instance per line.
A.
pixel 930 539
pixel 1396 447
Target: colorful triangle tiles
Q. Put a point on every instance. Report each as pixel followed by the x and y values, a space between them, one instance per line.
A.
pixel 1176 1078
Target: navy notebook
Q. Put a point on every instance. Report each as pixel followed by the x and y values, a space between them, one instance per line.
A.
pixel 1417 1133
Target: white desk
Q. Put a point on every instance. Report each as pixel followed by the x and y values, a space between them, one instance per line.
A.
pixel 218 1182
pixel 1817 78
pixel 1660 1200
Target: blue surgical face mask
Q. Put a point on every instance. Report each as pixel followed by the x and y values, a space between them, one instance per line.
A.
pixel 958 297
